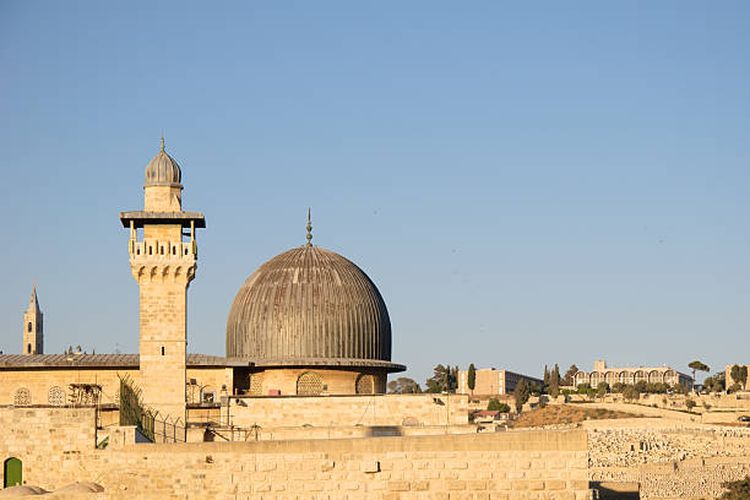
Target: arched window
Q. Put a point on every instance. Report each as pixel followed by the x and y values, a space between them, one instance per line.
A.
pixel 28 349
pixel 56 396
pixel 29 327
pixel 163 350
pixel 309 384
pixel 365 384
pixel 22 397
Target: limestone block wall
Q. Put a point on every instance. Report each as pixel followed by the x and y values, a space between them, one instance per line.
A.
pixel 530 465
pixel 43 386
pixel 46 440
pixel 331 411
pixel 284 380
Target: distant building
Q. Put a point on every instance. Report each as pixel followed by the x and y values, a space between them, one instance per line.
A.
pixel 491 382
pixel 629 376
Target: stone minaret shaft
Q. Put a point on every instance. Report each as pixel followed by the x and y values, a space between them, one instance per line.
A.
pixel 163 261
pixel 33 327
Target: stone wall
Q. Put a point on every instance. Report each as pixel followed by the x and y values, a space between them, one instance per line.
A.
pixel 44 384
pixel 347 411
pixel 529 465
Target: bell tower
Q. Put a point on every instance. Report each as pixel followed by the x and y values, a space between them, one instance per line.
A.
pixel 163 260
pixel 33 327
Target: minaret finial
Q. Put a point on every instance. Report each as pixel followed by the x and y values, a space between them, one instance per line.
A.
pixel 162 141
pixel 309 228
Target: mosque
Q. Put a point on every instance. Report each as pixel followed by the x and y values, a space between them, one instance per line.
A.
pixel 307 322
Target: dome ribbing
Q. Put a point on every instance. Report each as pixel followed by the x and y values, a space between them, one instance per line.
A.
pixel 163 170
pixel 309 303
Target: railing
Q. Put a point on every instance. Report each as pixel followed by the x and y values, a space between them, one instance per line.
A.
pixel 165 249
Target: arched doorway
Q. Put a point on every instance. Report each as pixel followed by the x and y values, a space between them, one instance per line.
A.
pixel 12 472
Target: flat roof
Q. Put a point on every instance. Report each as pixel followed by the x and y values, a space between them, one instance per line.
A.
pixel 132 362
pixel 182 218
pixel 81 360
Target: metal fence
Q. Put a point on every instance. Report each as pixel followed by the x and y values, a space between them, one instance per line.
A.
pixel 133 412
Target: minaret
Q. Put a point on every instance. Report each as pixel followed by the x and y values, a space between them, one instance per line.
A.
pixel 33 327
pixel 163 260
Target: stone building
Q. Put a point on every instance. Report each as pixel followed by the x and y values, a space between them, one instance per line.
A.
pixel 307 322
pixel 491 382
pixel 632 375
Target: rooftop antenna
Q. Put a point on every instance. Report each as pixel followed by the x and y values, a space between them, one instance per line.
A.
pixel 309 229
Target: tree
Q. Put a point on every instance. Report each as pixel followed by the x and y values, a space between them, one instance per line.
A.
pixel 471 378
pixel 521 394
pixel 602 389
pixel 739 375
pixel 545 379
pixel 554 382
pixel 444 379
pixel 403 385
pixel 569 378
pixel 495 405
pixel 630 393
pixel 715 383
pixel 699 366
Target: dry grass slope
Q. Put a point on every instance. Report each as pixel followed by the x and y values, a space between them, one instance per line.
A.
pixel 566 414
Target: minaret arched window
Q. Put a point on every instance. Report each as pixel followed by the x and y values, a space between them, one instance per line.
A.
pixel 29 327
pixel 28 349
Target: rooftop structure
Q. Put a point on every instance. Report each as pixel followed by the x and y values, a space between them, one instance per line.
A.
pixel 632 375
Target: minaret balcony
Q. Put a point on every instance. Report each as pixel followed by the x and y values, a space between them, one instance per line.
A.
pixel 162 250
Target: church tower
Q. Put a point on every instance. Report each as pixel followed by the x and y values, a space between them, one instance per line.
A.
pixel 163 261
pixel 33 327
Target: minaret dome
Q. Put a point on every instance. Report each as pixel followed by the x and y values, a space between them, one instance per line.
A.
pixel 163 170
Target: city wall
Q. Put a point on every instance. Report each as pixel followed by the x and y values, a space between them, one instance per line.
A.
pixel 349 411
pixel 57 448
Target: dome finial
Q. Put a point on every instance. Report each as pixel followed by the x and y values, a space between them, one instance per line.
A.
pixel 162 141
pixel 309 228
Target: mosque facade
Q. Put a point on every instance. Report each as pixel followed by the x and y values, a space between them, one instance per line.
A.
pixel 307 322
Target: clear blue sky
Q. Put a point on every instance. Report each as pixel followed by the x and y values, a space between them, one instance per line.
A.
pixel 526 182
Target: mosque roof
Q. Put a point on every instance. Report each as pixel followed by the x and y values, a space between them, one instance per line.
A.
pixel 310 306
pixel 11 361
pixel 131 361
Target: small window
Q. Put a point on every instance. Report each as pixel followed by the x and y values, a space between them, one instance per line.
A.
pixel 163 350
pixel 174 250
pixel 28 349
pixel 162 250
pixel 29 327
pixel 150 250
